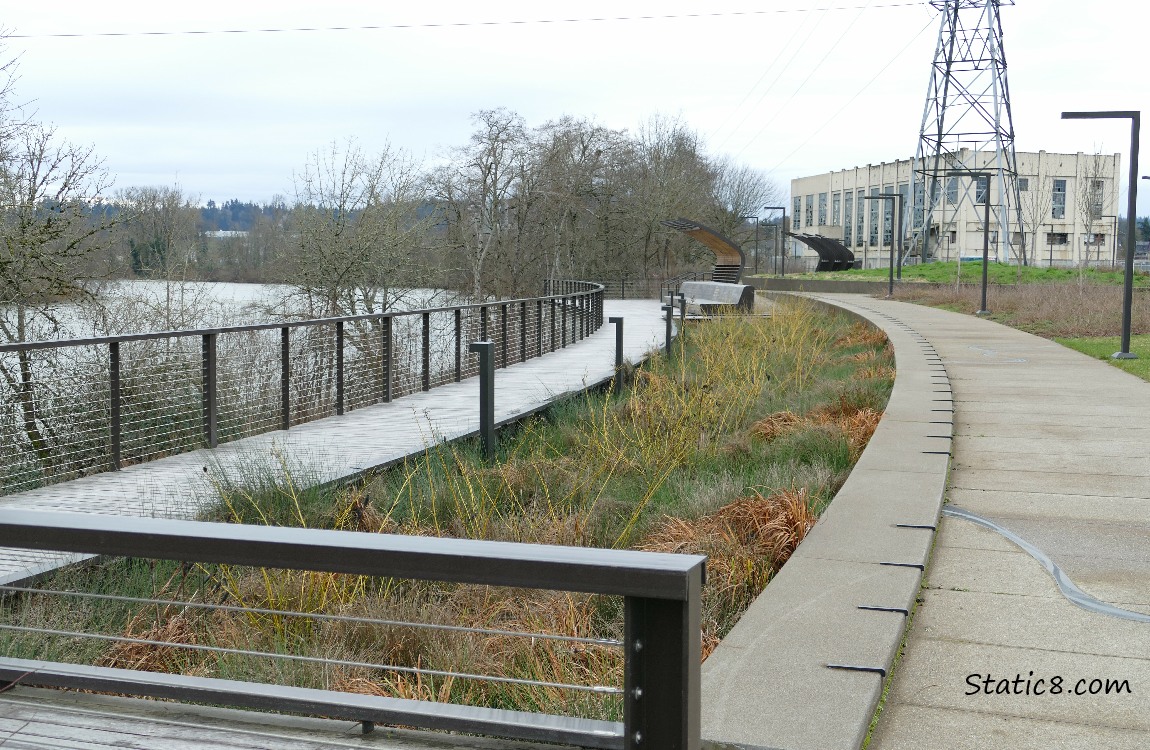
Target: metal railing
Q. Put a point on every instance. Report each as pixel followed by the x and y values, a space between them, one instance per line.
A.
pixel 80 406
pixel 661 603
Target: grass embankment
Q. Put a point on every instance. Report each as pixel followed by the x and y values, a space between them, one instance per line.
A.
pixel 951 272
pixel 730 449
pixel 1102 347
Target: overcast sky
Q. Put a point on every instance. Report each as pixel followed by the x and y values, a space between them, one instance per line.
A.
pixel 790 87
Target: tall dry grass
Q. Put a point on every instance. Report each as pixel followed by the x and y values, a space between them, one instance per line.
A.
pixel 1069 310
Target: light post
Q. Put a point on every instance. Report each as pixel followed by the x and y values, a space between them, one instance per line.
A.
pixel 985 227
pixel 781 232
pixel 892 197
pixel 1050 243
pixel 1134 117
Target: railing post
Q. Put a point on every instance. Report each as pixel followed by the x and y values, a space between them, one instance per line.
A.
pixel 388 358
pixel 285 378
pixel 617 384
pixel 503 335
pixel 552 324
pixel 339 367
pixel 486 352
pixel 458 345
pixel 114 401
pixel 522 331
pixel 661 687
pixel 539 327
pixel 483 323
pixel 682 310
pixel 426 351
pixel 208 388
pixel 670 310
pixel 563 308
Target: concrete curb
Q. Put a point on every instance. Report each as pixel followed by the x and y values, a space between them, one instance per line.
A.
pixel 805 666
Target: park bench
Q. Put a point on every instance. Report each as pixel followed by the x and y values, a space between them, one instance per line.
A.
pixel 706 297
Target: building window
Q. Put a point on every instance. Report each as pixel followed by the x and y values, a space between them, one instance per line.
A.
pixel 797 213
pixel 1057 238
pixel 1023 185
pixel 952 190
pixel 904 191
pixel 810 217
pixel 822 209
pixel 848 216
pixel 1058 200
pixel 982 193
pixel 872 237
pixel 1095 198
pixel 860 217
pixel 836 210
pixel 919 203
pixel 887 216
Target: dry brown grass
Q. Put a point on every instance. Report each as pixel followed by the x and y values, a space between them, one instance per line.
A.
pixel 862 334
pixel 149 657
pixel 1050 310
pixel 746 542
pixel 857 424
pixel 777 424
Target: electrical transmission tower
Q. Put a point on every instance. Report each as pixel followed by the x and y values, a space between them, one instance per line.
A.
pixel 966 125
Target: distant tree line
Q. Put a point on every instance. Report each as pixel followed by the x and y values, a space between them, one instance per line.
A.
pixel 497 216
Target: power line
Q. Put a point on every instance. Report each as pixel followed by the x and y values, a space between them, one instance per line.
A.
pixel 462 24
pixel 849 101
pixel 792 39
pixel 778 110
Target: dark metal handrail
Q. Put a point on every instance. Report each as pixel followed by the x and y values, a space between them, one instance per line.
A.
pixel 579 305
pixel 661 604
pixel 571 290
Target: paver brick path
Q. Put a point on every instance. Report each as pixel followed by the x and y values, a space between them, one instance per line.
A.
pixel 1053 446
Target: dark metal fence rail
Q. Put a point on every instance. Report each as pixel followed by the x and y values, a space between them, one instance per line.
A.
pixel 75 407
pixel 661 602
pixel 633 288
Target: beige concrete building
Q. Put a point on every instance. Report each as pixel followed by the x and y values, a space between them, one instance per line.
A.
pixel 1069 206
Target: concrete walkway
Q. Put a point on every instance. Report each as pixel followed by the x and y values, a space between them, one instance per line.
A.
pixel 1052 446
pixel 339 448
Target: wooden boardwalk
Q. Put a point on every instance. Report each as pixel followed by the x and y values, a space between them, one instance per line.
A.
pixel 337 448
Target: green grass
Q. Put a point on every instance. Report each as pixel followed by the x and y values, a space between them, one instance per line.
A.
pixel 997 273
pixel 1101 347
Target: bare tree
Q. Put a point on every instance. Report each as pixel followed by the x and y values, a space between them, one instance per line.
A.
pixel 1036 204
pixel 48 226
pixel 1089 199
pixel 50 193
pixel 475 191
pixel 358 230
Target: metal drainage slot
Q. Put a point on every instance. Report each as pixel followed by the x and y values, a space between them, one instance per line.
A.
pixel 919 566
pixel 857 668
pixel 877 608
pixel 930 526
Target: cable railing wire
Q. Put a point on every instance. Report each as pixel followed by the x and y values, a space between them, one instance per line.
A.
pixel 73 407
pixel 606 642
pixel 599 689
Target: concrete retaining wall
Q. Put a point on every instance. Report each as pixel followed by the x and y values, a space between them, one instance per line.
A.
pixel 805 666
